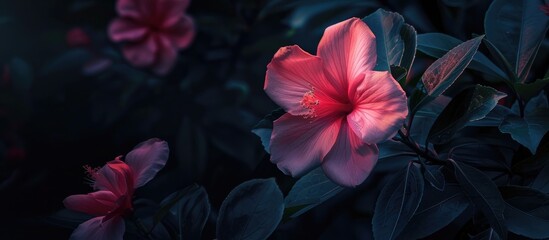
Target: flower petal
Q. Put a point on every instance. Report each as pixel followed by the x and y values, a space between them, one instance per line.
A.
pixel 170 11
pixel 146 159
pixel 116 176
pixel 97 229
pixel 123 29
pixel 380 107
pixel 166 56
pixel 182 33
pixel 298 144
pixel 142 53
pixel 96 203
pixel 347 49
pixel 291 74
pixel 129 8
pixel 350 161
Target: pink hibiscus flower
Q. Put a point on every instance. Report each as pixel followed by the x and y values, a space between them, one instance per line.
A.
pixel 153 32
pixel 116 183
pixel 337 107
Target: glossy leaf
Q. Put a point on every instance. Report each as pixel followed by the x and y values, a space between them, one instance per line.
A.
pixel 488 234
pixel 252 210
pixel 541 182
pixel 309 191
pixel 526 212
pixel 529 90
pixel 529 130
pixel 399 74
pixel 444 71
pixel 484 194
pixel 516 28
pixel 397 203
pixel 191 209
pixel 264 128
pixel 435 177
pixel 387 27
pixel 470 105
pixel 435 214
pixel 438 44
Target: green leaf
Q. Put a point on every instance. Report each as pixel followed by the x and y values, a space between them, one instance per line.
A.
pixel 390 44
pixel 541 182
pixel 438 44
pixel 264 128
pixel 470 105
pixel 252 210
pixel 517 29
pixel 191 209
pixel 397 203
pixel 529 90
pixel 444 71
pixel 526 212
pixel 409 36
pixel 309 191
pixel 529 130
pixel 488 234
pixel 437 213
pixel 399 74
pixel 434 176
pixel 484 194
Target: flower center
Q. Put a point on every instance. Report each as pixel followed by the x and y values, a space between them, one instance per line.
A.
pixel 309 102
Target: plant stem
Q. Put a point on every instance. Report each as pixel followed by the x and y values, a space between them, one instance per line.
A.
pixel 415 147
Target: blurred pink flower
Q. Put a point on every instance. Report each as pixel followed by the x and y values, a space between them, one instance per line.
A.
pixel 153 32
pixel 545 9
pixel 116 183
pixel 77 37
pixel 337 107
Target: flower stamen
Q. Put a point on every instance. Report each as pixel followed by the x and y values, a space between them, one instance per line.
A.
pixel 309 102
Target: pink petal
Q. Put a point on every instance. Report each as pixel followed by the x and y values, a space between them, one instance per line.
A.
pixel 142 53
pixel 350 161
pixel 116 176
pixel 380 107
pixel 166 56
pixel 124 29
pixel 96 203
pixel 147 158
pixel 298 144
pixel 129 8
pixel 97 229
pixel 170 11
pixel 347 49
pixel 291 74
pixel 182 33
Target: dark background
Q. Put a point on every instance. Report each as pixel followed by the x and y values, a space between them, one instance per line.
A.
pixel 63 117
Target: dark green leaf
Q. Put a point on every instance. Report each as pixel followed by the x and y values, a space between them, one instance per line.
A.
pixel 488 234
pixel 470 105
pixel 409 36
pixel 191 209
pixel 444 71
pixel 191 149
pixel 252 210
pixel 387 27
pixel 541 182
pixel 529 130
pixel 399 74
pixel 516 28
pixel 73 59
pixel 435 177
pixel 264 128
pixel 433 215
pixel 438 44
pixel 484 194
pixel 309 191
pixel 397 203
pixel 526 212
pixel 529 90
